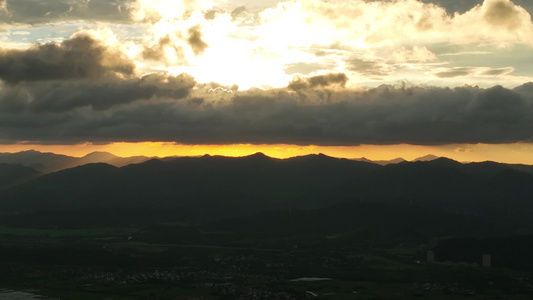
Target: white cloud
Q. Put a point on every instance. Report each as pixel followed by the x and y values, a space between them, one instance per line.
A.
pixel 372 41
pixel 471 72
pixel 414 54
pixel 361 24
pixel 20 32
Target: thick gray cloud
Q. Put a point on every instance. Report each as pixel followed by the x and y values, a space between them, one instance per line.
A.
pixel 332 79
pixel 194 40
pixel 453 6
pixel 471 71
pixel 75 58
pixel 454 72
pixel 158 50
pixel 370 68
pixel 498 71
pixel 168 108
pixel 503 14
pixel 58 97
pixel 117 11
pixel 49 11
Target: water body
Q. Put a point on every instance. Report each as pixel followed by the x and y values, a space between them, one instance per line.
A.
pixel 19 295
pixel 311 279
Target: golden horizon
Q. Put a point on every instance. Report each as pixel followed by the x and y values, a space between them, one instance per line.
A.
pixel 516 153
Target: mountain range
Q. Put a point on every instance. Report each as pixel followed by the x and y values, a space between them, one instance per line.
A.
pixel 213 187
pixel 46 162
pixel 51 162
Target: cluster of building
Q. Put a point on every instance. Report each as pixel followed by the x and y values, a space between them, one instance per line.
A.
pixel 445 288
pixel 486 259
pixel 132 277
pixel 253 293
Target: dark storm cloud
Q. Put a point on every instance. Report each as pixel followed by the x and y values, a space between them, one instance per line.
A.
pixel 497 71
pixel 503 14
pixel 526 89
pixel 75 58
pixel 64 96
pixel 166 108
pixel 454 72
pixel 238 11
pixel 369 68
pixel 198 46
pixel 453 6
pixel 49 11
pixel 157 51
pixel 471 71
pixel 332 79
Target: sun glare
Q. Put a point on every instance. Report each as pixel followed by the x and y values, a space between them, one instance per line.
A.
pixel 249 51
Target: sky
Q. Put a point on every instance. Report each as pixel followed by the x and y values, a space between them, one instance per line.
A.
pixel 380 79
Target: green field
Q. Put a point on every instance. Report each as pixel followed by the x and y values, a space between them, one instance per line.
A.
pixel 55 233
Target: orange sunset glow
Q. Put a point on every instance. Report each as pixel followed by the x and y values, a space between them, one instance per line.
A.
pixel 508 153
pixel 266 149
pixel 375 79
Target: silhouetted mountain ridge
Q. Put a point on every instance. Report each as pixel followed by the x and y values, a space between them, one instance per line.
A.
pixel 50 162
pixel 12 174
pixel 215 186
pixel 428 157
pixel 382 162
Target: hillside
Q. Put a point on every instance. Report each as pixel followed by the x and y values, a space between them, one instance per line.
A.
pixel 214 187
pixel 12 174
pixel 51 162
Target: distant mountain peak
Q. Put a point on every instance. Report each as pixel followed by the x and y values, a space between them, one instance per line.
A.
pixel 396 160
pixel 382 162
pixel 444 162
pixel 259 155
pixel 320 156
pixel 30 151
pixel 364 159
pixel 445 159
pixel 100 155
pixel 428 157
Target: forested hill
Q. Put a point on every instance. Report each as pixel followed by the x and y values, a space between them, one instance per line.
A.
pixel 214 186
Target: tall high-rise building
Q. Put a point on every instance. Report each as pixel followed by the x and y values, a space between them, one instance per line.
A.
pixel 431 257
pixel 486 260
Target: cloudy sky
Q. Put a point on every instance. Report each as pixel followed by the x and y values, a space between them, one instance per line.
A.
pixel 354 78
